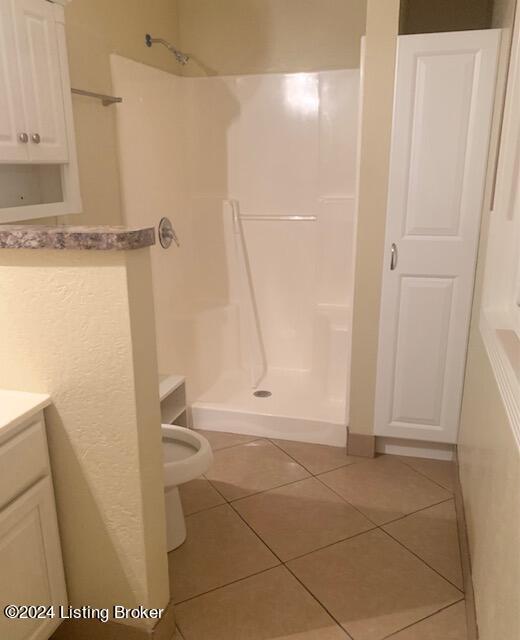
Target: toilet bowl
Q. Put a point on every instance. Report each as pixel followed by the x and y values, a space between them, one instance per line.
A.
pixel 186 455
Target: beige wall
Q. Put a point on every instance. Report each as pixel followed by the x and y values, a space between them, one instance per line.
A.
pixel 266 36
pixel 376 127
pixel 96 28
pixel 77 325
pixel 490 476
pixel 488 454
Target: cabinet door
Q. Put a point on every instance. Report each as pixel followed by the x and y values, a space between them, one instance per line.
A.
pixel 12 117
pixel 30 558
pixel 41 80
pixel 443 105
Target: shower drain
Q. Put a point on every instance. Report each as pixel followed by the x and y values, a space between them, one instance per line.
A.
pixel 262 393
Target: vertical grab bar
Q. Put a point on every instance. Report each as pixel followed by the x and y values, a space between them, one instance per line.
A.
pixel 256 344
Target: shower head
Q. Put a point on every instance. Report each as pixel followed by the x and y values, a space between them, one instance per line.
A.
pixel 181 57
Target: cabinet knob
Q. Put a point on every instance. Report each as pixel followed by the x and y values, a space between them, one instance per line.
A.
pixel 36 138
pixel 24 138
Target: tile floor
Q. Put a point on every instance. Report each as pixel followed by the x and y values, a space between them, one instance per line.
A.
pixel 292 541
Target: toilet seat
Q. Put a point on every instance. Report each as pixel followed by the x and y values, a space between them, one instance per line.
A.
pixel 186 454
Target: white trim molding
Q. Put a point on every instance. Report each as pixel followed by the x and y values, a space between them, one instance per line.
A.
pixel 415 448
pixel 506 368
pixel 498 321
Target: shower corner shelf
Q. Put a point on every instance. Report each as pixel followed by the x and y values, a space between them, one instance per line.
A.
pixel 172 395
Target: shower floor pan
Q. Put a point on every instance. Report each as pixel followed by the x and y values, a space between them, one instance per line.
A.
pixel 295 410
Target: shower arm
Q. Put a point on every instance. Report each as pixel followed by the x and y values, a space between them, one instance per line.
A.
pixel 181 57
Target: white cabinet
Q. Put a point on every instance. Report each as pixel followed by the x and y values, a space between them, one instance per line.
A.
pixel 30 554
pixel 12 116
pixel 38 164
pixel 41 82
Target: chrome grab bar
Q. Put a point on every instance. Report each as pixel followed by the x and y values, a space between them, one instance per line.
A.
pixel 274 217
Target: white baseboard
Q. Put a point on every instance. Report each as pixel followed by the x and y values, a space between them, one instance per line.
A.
pixel 415 448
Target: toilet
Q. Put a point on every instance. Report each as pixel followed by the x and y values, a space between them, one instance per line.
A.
pixel 186 455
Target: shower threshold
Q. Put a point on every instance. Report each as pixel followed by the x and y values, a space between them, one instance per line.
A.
pixel 297 408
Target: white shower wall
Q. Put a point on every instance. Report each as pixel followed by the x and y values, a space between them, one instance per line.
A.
pixel 279 145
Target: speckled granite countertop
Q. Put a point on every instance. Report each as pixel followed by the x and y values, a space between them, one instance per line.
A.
pixel 65 237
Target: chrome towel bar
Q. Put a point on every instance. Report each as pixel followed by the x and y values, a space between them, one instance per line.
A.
pixel 273 217
pixel 105 100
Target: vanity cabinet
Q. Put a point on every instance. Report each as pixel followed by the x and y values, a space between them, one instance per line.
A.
pixel 30 553
pixel 38 164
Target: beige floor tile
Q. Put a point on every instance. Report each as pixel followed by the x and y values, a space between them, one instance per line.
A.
pixel 252 467
pixel 269 606
pixel 301 517
pixel 449 624
pixel 198 495
pixel 432 535
pixel 372 585
pixel 177 635
pixel 316 458
pixel 384 488
pixel 442 472
pixel 222 440
pixel 219 549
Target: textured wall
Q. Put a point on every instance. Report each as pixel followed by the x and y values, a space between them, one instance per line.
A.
pixel 263 36
pixel 77 325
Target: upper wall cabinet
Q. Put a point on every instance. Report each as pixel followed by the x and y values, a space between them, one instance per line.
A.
pixel 38 164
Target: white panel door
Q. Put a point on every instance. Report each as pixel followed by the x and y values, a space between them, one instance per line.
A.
pixel 442 118
pixel 12 116
pixel 41 75
pixel 30 558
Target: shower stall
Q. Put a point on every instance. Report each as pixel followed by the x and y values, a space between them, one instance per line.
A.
pixel 258 176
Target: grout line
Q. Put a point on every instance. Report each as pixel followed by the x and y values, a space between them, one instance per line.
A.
pixel 422 560
pixel 257 535
pixel 394 633
pixel 222 586
pixel 346 464
pixel 331 544
pixel 194 513
pixel 378 524
pixel 257 493
pixel 400 459
pixel 345 500
pixel 407 515
pixel 216 489
pixel 231 446
pixel 316 599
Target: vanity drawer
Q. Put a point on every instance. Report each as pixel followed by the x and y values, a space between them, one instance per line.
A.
pixel 23 460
